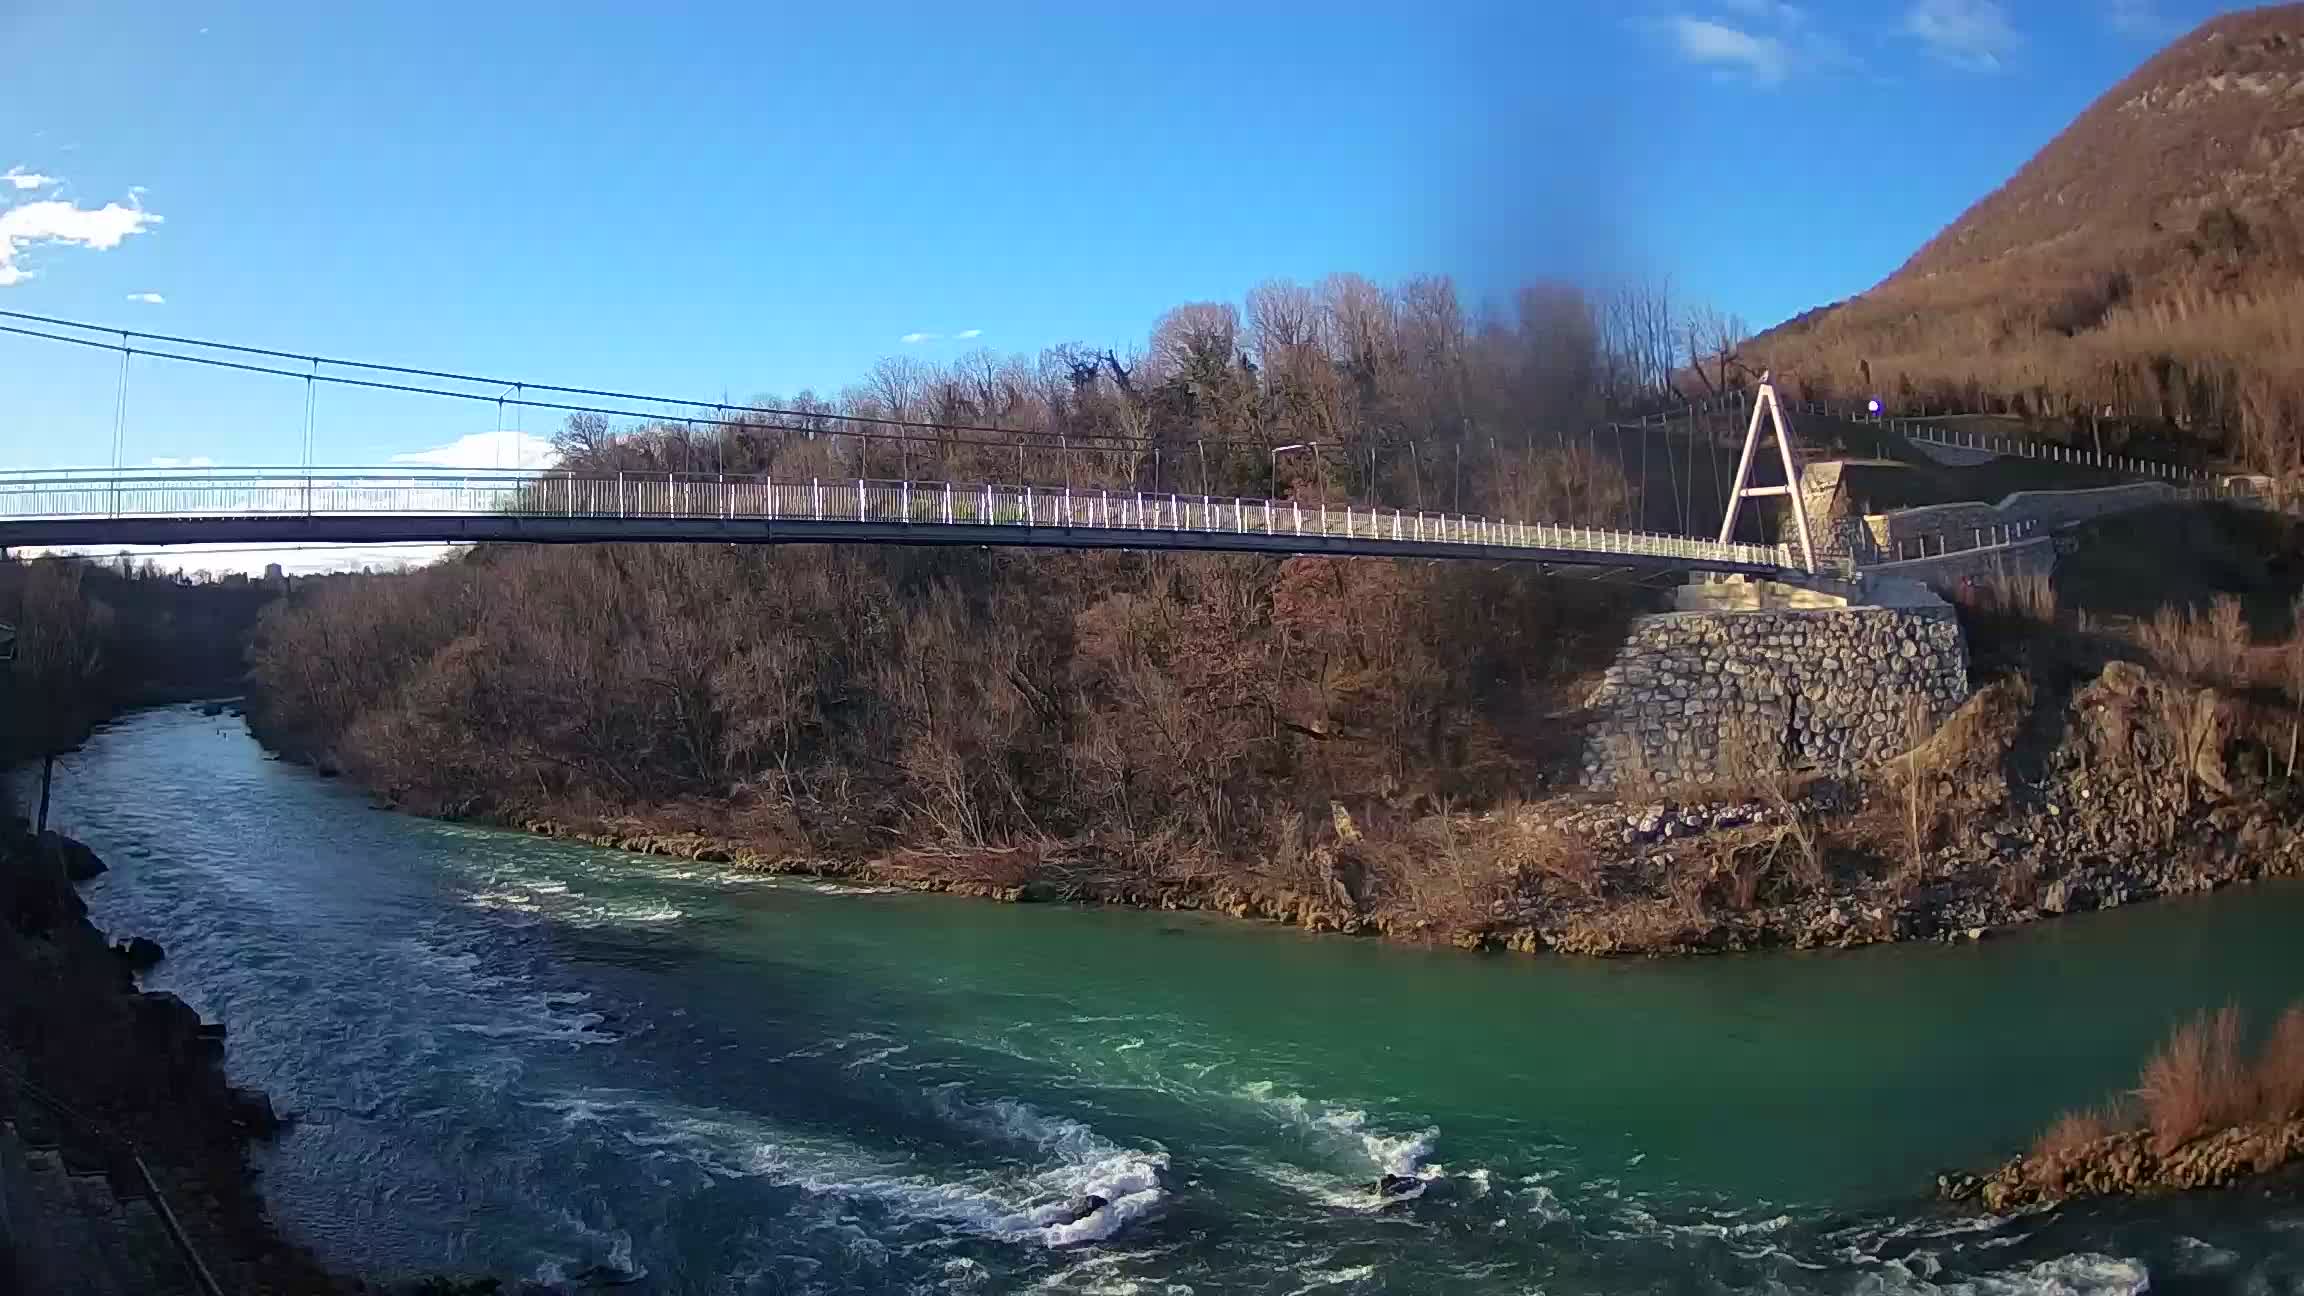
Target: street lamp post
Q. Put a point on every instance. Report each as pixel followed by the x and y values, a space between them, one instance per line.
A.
pixel 1278 451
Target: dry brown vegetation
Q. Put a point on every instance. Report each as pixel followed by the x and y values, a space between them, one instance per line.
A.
pixel 1166 716
pixel 2202 1079
pixel 2148 264
pixel 94 636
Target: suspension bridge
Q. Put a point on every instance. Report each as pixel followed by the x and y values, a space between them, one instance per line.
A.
pixel 382 506
pixel 311 504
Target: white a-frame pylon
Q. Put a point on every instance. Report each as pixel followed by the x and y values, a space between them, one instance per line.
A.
pixel 1765 405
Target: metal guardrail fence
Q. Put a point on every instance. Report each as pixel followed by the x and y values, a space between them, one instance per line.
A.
pixel 131 1162
pixel 2258 491
pixel 348 492
pixel 1914 429
pixel 1936 544
pixel 1953 438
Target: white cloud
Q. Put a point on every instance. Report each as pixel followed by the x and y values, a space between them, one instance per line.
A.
pixel 486 450
pixel 1700 40
pixel 911 338
pixel 966 334
pixel 24 179
pixel 2139 18
pixel 149 299
pixel 194 461
pixel 1966 33
pixel 55 221
pixel 1790 15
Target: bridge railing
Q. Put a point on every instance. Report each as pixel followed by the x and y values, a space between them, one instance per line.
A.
pixel 229 493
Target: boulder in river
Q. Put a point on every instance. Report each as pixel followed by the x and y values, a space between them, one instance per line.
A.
pixel 1080 1208
pixel 252 1111
pixel 80 863
pixel 139 952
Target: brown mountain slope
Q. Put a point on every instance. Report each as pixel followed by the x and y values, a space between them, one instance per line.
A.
pixel 2150 259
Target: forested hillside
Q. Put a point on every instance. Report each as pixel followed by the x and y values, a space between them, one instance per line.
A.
pixel 2148 263
pixel 97 636
pixel 855 699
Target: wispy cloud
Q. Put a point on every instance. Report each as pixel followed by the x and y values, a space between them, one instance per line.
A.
pixel 24 179
pixel 1972 34
pixel 505 449
pixel 1763 59
pixel 2139 18
pixel 911 339
pixel 966 334
pixel 193 461
pixel 149 299
pixel 55 221
pixel 1764 43
pixel 1771 10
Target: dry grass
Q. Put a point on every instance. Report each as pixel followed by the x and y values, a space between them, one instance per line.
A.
pixel 2210 649
pixel 1920 787
pixel 2197 1081
pixel 1690 884
pixel 2076 1129
pixel 2174 306
pixel 2280 1068
pixel 2011 617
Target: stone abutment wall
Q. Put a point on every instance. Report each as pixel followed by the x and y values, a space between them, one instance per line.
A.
pixel 1697 697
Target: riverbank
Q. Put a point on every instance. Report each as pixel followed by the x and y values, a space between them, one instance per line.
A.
pixel 2021 808
pixel 2207 1111
pixel 120 1092
pixel 134 1070
pixel 532 1059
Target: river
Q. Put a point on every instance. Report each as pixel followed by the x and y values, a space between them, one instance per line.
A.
pixel 534 1060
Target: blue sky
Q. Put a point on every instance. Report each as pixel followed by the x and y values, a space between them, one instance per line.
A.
pixel 757 198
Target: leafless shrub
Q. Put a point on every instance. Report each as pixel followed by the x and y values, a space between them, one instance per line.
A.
pixel 2075 1130
pixel 2280 1068
pixel 2197 1081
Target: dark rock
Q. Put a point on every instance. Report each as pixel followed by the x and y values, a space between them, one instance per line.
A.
pixel 139 952
pixel 1954 1185
pixel 1080 1208
pixel 79 863
pixel 252 1111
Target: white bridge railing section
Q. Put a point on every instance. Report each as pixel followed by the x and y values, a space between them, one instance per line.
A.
pixel 355 492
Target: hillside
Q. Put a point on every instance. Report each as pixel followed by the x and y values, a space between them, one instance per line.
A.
pixel 2150 259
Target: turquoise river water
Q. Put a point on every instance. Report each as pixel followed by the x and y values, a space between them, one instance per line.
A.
pixel 527 1059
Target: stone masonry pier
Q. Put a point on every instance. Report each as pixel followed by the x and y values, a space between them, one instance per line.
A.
pixel 1774 676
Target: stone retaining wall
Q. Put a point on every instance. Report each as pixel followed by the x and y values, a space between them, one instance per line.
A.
pixel 2047 509
pixel 1696 697
pixel 1946 573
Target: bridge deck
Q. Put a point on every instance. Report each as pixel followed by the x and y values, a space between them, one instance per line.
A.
pixel 376 506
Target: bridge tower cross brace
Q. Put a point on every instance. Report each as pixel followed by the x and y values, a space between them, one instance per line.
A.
pixel 1765 405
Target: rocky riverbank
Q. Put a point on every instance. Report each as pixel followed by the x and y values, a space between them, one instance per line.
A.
pixel 97 1077
pixel 100 1069
pixel 2128 1163
pixel 1988 825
